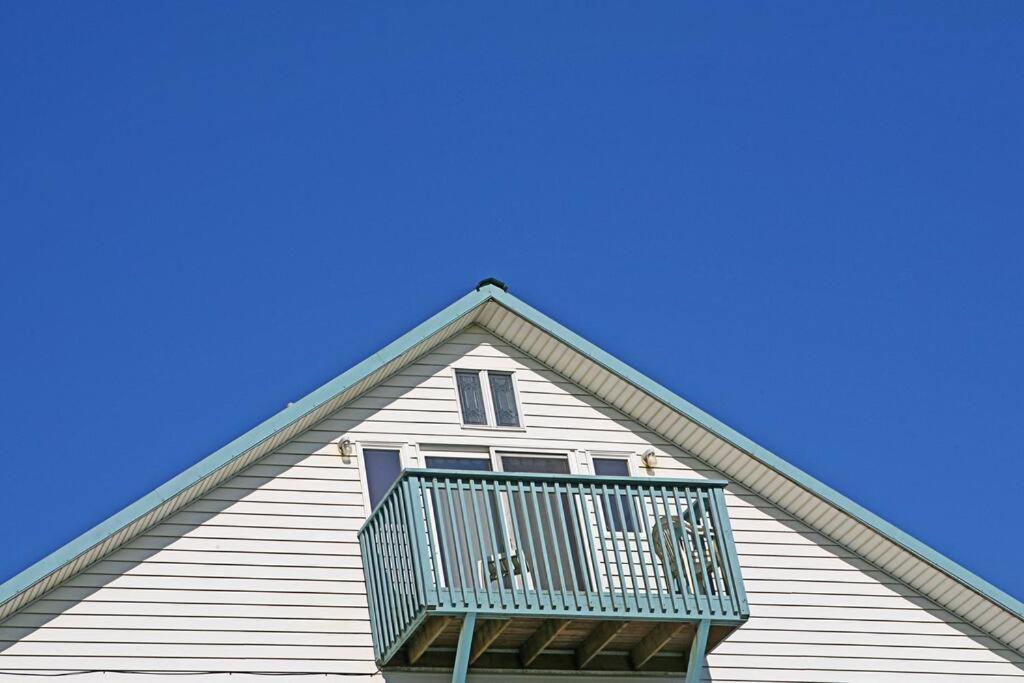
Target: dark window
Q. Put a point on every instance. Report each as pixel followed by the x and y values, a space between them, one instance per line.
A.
pixel 382 469
pixel 471 397
pixel 615 519
pixel 505 412
pixel 443 462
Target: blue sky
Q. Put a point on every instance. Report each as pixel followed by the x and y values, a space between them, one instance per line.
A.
pixel 803 217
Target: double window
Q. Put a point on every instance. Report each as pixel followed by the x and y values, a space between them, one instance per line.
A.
pixel 487 398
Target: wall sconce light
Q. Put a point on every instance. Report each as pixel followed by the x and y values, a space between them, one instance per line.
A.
pixel 347 448
pixel 649 458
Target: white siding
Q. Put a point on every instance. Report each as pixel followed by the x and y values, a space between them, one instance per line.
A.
pixel 263 574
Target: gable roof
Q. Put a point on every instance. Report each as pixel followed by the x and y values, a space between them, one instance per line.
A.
pixel 639 397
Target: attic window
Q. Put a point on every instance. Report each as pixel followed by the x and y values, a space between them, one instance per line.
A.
pixel 487 398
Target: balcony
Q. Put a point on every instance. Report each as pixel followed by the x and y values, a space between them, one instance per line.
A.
pixel 503 571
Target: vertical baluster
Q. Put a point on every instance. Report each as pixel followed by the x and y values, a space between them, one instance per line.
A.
pixel 616 504
pixel 537 507
pixel 570 562
pixel 513 516
pixel 643 494
pixel 711 543
pixel 738 593
pixel 552 540
pixel 606 508
pixel 692 539
pixel 534 557
pixel 371 567
pixel 687 553
pixel 635 538
pixel 422 510
pixel 445 541
pixel 382 571
pixel 387 609
pixel 464 527
pixel 397 571
pixel 672 550
pixel 398 540
pixel 371 593
pixel 444 545
pixel 409 547
pixel 388 559
pixel 481 540
pixel 441 543
pixel 453 532
pixel 417 554
pixel 582 535
pixel 721 552
pixel 599 521
pixel 497 510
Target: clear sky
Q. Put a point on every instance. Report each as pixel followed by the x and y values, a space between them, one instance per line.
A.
pixel 806 218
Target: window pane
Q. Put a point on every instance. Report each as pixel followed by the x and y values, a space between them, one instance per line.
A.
pixel 471 397
pixel 440 462
pixel 611 467
pixel 533 463
pixel 382 469
pixel 505 412
pixel 616 467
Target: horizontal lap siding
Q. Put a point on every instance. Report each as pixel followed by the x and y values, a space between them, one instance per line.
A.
pixel 263 574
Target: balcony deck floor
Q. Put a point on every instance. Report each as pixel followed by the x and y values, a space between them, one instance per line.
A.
pixel 560 654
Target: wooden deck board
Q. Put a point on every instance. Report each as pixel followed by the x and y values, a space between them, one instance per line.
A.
pixel 559 654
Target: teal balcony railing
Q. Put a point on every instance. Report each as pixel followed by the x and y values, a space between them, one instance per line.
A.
pixel 500 546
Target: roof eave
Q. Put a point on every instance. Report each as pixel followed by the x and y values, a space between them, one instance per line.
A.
pixel 762 454
pixel 68 553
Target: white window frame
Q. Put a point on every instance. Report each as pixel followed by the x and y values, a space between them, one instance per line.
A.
pixel 404 463
pixel 628 456
pixel 631 470
pixel 498 451
pixel 484 453
pixel 488 399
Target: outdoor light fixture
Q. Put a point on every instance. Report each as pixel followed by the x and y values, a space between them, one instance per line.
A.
pixel 347 448
pixel 649 458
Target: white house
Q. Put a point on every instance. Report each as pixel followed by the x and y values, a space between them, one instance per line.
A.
pixel 491 493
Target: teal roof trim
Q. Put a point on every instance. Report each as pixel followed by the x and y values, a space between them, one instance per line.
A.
pixel 761 454
pixel 428 328
pixel 221 457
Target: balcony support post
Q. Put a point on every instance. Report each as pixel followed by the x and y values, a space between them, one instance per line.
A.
pixel 695 665
pixel 465 644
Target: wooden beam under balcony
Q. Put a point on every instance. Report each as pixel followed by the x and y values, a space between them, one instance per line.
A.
pixel 597 641
pixel 654 641
pixel 542 637
pixel 485 635
pixel 426 636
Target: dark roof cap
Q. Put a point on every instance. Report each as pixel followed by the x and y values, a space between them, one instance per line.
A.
pixel 492 281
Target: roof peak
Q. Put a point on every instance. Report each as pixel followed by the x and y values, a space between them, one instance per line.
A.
pixel 492 281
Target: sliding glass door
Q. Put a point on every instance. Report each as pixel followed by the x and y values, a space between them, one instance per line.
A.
pixel 551 550
pixel 469 543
